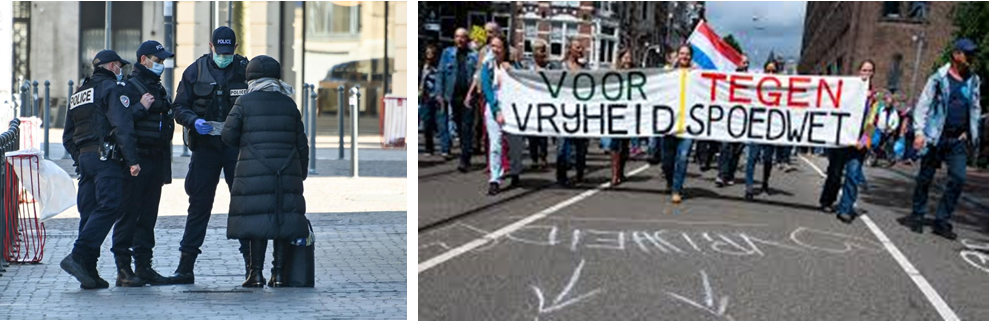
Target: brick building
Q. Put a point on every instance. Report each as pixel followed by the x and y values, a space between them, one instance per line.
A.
pixel 904 38
pixel 604 27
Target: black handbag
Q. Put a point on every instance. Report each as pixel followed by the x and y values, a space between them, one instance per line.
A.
pixel 300 264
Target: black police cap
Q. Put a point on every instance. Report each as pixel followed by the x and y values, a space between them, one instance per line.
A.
pixel 107 55
pixel 155 48
pixel 224 40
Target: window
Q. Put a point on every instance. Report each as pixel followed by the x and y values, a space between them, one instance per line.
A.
pixel 918 10
pixel 527 47
pixel 894 77
pixel 503 23
pixel 572 30
pixel 557 50
pixel 326 20
pixel 891 9
pixel 530 28
pixel 476 19
pixel 606 50
pixel 571 4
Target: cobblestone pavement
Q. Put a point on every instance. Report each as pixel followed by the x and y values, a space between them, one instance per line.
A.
pixel 360 274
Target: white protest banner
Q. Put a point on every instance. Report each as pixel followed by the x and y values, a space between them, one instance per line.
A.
pixel 708 105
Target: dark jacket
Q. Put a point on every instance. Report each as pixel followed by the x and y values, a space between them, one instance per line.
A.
pixel 94 115
pixel 266 200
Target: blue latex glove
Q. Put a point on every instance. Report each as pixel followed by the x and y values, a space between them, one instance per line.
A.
pixel 202 127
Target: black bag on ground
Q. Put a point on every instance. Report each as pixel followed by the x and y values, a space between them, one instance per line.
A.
pixel 300 264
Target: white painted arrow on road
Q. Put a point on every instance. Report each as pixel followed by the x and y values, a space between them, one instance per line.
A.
pixel 709 300
pixel 561 300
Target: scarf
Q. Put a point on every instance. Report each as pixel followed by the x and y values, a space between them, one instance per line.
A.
pixel 270 84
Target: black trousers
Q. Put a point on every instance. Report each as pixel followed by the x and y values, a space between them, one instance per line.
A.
pixel 134 232
pixel 99 199
pixel 202 179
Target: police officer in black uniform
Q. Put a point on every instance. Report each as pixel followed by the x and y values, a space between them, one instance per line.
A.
pixel 153 128
pixel 207 92
pixel 99 134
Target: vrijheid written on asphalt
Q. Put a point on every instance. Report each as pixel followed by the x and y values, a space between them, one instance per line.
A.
pixel 739 107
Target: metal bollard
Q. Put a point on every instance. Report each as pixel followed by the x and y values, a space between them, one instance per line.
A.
pixel 340 120
pixel 48 117
pixel 25 90
pixel 355 101
pixel 312 125
pixel 68 102
pixel 34 106
pixel 305 108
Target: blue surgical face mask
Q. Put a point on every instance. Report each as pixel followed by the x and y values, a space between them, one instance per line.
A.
pixel 157 68
pixel 120 73
pixel 223 60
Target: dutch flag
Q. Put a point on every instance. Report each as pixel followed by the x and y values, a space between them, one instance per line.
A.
pixel 710 52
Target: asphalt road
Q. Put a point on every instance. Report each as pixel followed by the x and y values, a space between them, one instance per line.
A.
pixel 540 252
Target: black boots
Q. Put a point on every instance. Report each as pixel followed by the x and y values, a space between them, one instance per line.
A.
pixel 125 276
pixel 93 273
pixel 184 273
pixel 143 270
pixel 75 265
pixel 255 278
pixel 247 264
pixel 278 264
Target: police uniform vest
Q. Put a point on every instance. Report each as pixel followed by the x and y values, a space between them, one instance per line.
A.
pixel 214 99
pixel 154 130
pixel 86 107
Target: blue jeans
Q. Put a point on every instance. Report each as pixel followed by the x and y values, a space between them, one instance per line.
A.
pixel 569 149
pixel 675 161
pixel 853 179
pixel 783 154
pixel 953 152
pixel 728 160
pixel 756 153
pixel 434 122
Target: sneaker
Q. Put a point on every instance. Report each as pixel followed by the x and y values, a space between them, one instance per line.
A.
pixel 719 183
pixel 944 230
pixel 676 198
pixel 827 209
pixel 916 225
pixel 492 189
pixel 845 218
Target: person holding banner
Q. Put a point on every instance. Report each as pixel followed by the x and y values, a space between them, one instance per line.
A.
pixel 490 77
pixel 619 147
pixel 573 62
pixel 947 127
pixel 728 159
pixel 757 152
pixel 676 149
pixel 456 67
pixel 538 145
pixel 848 160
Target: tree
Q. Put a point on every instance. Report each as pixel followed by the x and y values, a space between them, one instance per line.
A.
pixel 731 40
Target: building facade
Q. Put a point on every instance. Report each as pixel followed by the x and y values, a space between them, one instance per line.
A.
pixel 603 27
pixel 903 38
pixel 307 38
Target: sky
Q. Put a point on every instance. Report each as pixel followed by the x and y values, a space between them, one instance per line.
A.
pixel 760 26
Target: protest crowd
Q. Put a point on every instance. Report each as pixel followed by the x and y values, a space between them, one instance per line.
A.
pixel 460 100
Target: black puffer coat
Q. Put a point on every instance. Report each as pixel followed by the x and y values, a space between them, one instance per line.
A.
pixel 268 129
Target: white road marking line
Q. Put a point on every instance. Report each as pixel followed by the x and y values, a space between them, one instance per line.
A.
pixel 926 288
pixel 446 256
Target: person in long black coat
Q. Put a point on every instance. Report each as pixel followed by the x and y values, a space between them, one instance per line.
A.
pixel 266 200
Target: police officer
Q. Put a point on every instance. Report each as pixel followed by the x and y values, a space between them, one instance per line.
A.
pixel 207 92
pixel 153 128
pixel 99 134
